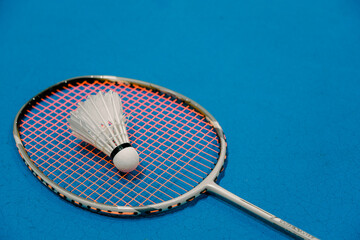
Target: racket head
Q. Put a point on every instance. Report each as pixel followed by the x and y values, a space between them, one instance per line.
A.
pixel 174 166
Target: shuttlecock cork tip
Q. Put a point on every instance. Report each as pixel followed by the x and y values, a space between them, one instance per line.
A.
pixel 126 160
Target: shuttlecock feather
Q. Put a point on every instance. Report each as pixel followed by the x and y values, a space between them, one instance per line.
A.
pixel 100 121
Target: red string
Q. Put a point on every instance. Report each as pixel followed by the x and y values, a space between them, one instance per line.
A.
pixel 163 128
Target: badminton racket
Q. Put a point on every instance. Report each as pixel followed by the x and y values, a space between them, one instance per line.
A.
pixel 181 146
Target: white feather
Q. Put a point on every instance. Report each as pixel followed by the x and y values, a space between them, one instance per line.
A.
pixel 100 121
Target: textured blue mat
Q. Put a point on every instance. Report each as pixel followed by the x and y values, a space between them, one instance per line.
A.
pixel 282 78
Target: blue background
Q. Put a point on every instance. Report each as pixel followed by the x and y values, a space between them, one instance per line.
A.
pixel 281 77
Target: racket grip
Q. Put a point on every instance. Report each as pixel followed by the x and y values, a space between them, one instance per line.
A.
pixel 277 222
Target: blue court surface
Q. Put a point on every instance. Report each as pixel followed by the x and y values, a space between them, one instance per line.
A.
pixel 281 77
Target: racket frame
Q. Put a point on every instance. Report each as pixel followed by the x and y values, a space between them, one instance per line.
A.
pixel 207 185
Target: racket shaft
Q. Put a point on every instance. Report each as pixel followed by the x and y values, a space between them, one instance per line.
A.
pixel 232 198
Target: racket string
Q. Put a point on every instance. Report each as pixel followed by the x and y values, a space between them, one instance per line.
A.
pixel 170 129
pixel 160 179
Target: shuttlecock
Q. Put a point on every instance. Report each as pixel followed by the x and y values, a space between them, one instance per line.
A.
pixel 100 121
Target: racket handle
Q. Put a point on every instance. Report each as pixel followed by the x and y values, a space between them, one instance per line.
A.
pixel 232 198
